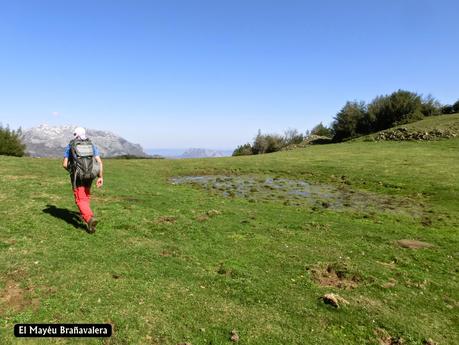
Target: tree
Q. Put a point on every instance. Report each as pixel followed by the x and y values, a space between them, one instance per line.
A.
pixel 10 142
pixel 447 109
pixel 346 121
pixel 455 107
pixel 322 131
pixel 399 107
pixel 430 106
pixel 292 136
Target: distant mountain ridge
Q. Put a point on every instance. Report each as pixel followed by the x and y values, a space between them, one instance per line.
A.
pixel 190 153
pixel 203 153
pixel 50 141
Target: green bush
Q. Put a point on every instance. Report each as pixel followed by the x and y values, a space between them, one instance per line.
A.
pixel 10 142
pixel 322 131
pixel 447 109
pixel 348 119
pixel 455 107
pixel 292 137
pixel 386 111
pixel 430 106
pixel 267 143
pixel 243 150
pixel 399 107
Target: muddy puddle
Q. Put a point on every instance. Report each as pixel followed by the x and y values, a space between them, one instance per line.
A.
pixel 299 193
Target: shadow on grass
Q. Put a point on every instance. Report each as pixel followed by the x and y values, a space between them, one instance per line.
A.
pixel 71 217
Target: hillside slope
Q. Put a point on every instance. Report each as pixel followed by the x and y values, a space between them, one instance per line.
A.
pixel 171 264
pixel 430 128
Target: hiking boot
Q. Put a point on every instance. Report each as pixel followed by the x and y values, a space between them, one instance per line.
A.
pixel 92 225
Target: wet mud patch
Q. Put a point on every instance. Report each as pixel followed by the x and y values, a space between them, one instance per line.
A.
pixel 15 298
pixel 335 275
pixel 293 192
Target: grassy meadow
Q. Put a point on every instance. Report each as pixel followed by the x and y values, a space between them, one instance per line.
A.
pixel 174 264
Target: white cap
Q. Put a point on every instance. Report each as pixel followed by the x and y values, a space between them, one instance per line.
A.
pixel 80 132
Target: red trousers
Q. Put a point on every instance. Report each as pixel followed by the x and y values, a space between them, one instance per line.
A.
pixel 82 199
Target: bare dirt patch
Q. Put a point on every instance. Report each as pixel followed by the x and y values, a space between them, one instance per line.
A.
pixel 206 216
pixel 335 275
pixel 384 338
pixel 202 217
pixel 15 298
pixel 390 284
pixel 166 220
pixel 414 244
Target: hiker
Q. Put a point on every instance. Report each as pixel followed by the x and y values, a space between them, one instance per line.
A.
pixel 82 160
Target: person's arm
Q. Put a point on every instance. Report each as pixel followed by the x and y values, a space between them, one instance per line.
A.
pixel 65 162
pixel 100 180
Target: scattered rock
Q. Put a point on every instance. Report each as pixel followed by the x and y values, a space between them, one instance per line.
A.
pixel 333 300
pixel 413 244
pixel 429 341
pixel 403 134
pixel 234 336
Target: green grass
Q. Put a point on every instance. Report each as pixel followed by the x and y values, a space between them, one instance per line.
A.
pixel 441 122
pixel 164 274
pixel 438 122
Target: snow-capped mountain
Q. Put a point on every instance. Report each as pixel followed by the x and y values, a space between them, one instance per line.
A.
pixel 50 141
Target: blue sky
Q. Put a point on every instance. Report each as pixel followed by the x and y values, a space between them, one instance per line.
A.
pixel 201 73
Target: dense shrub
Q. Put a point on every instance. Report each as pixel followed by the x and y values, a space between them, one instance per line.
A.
pixel 447 109
pixel 322 131
pixel 455 107
pixel 243 150
pixel 10 142
pixel 356 118
pixel 430 106
pixel 397 108
pixel 292 137
pixel 400 107
pixel 267 143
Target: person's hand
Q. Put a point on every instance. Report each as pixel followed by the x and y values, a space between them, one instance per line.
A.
pixel 100 182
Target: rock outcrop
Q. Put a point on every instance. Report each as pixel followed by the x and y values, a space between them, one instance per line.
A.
pixel 403 134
